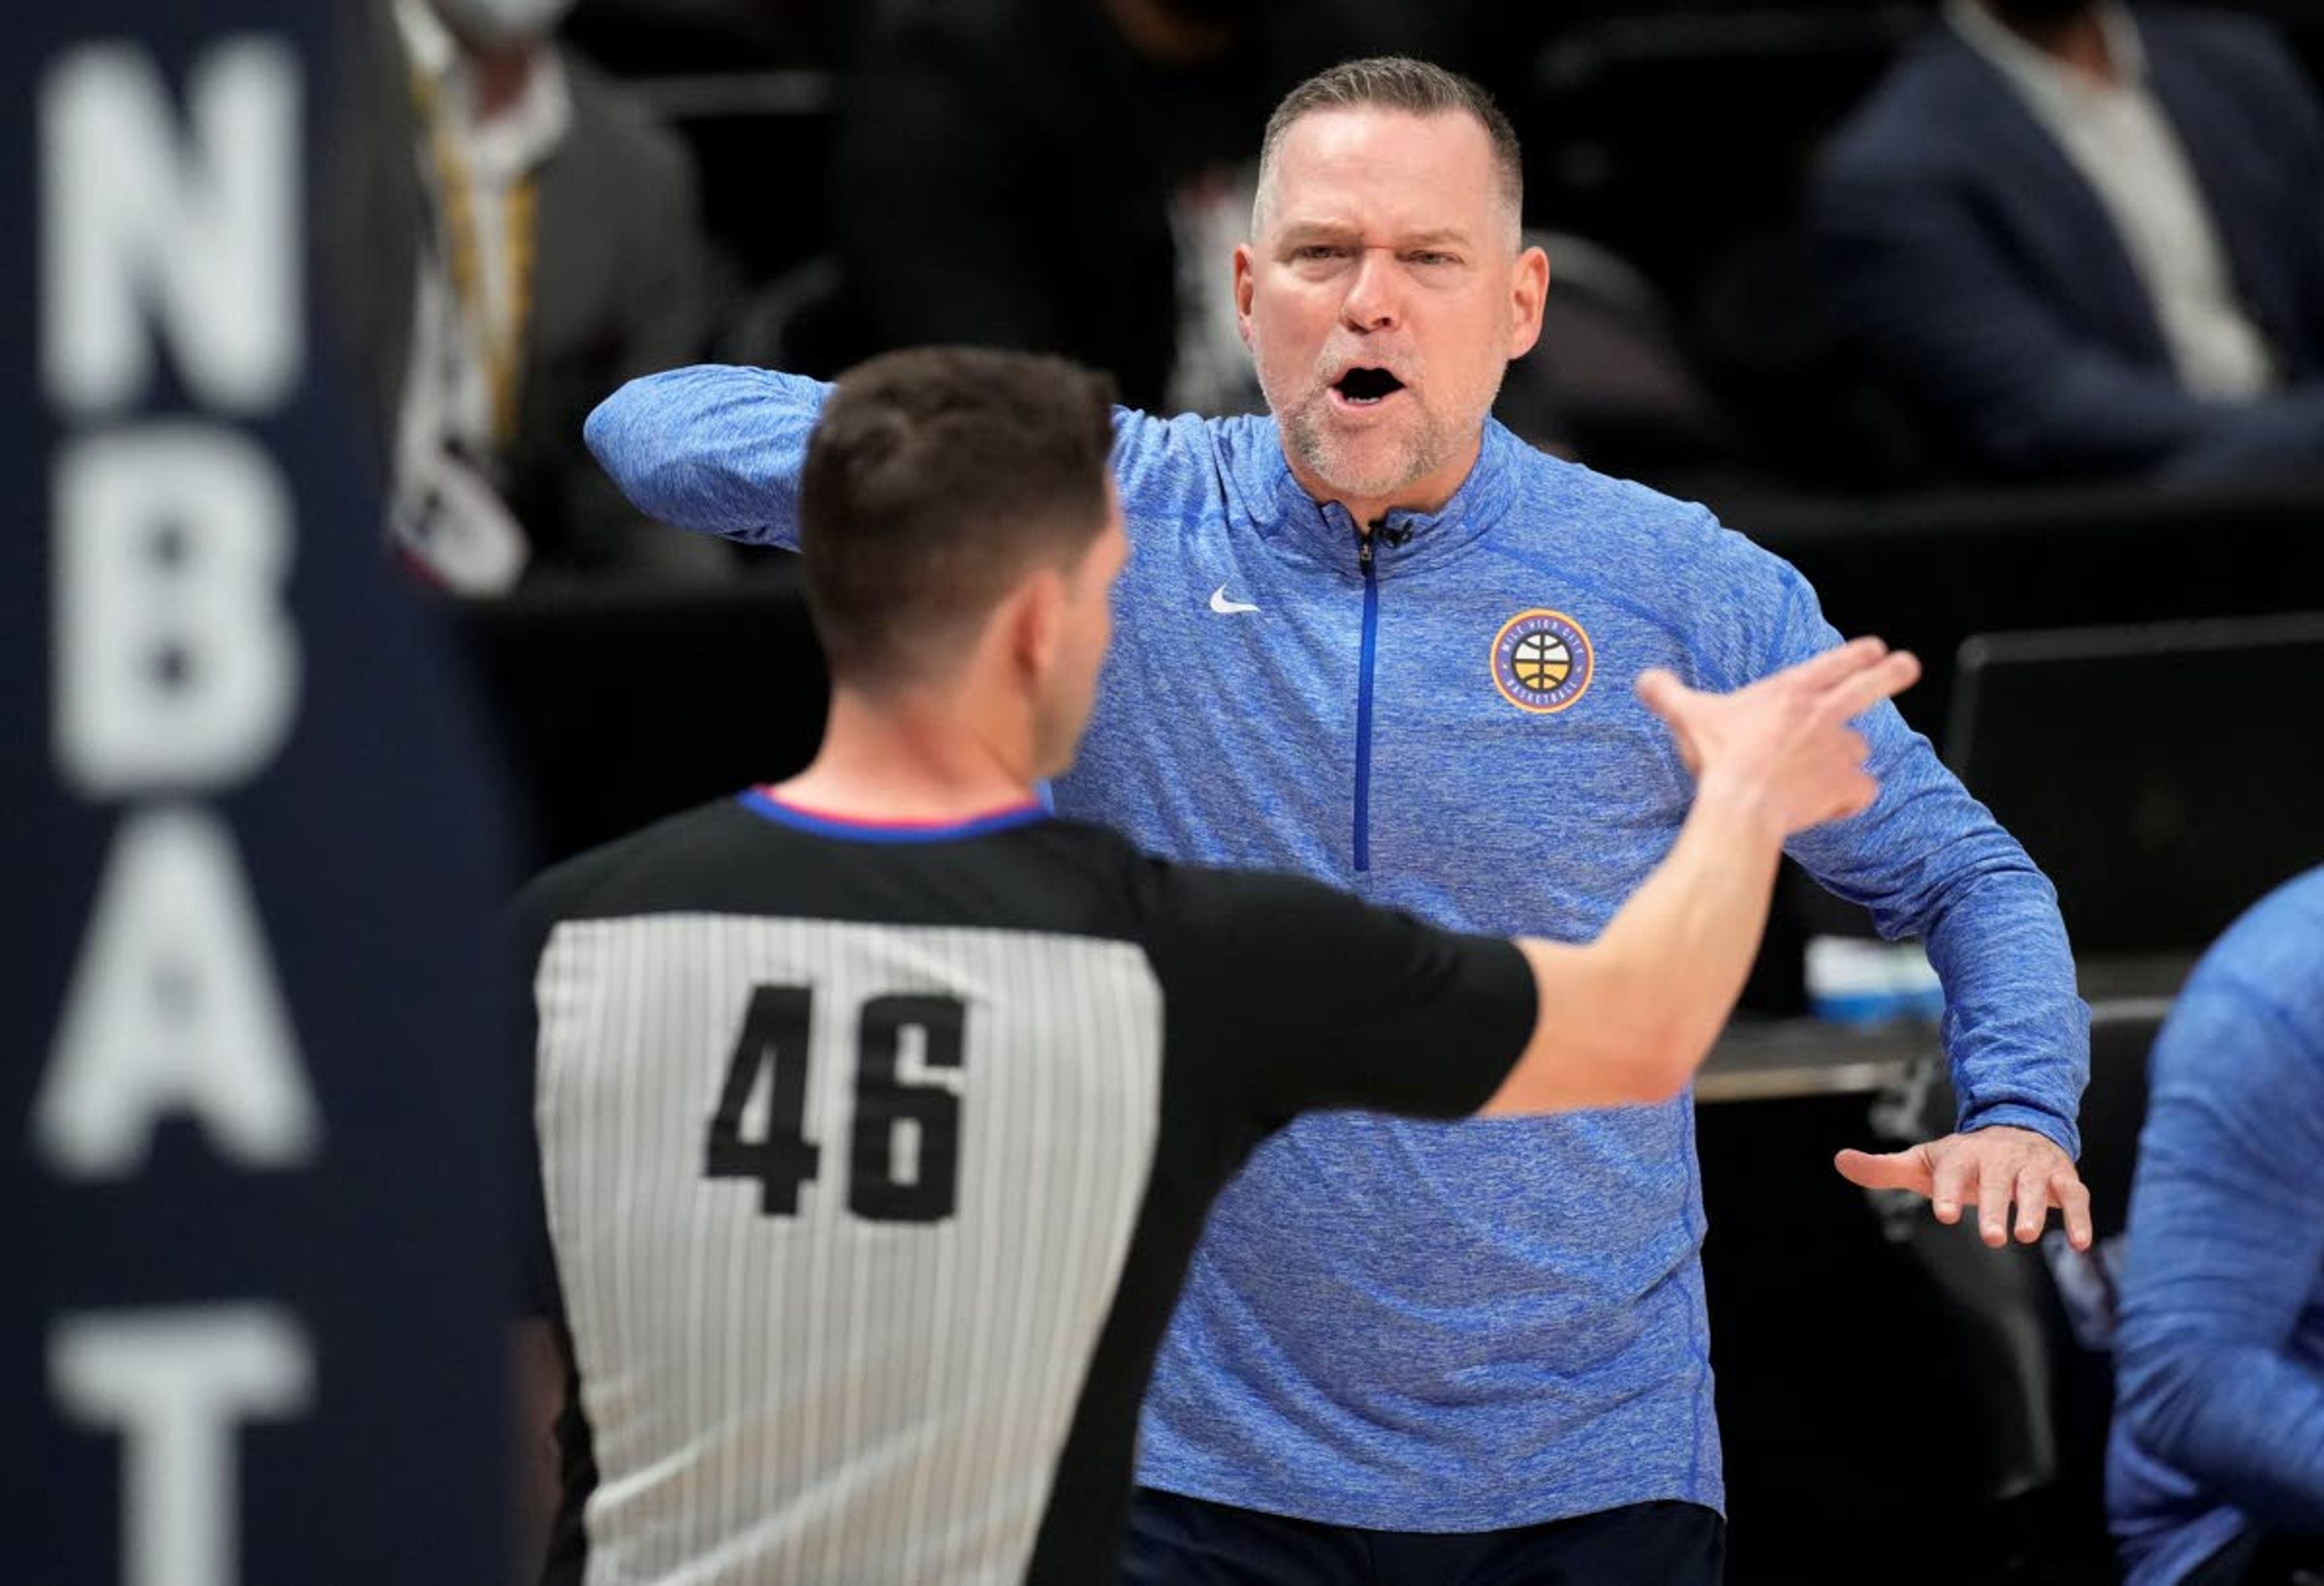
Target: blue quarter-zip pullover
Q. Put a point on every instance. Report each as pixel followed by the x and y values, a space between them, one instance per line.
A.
pixel 1445 1327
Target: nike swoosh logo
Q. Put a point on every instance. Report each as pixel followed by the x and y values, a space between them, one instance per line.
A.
pixel 1225 607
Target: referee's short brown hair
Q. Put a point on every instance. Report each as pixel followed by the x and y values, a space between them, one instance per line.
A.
pixel 935 480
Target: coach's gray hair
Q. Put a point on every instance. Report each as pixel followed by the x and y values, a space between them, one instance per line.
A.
pixel 1397 82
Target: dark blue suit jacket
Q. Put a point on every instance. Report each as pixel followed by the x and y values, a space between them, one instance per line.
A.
pixel 1966 255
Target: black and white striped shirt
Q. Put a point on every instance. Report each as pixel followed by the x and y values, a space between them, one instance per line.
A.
pixel 871 1160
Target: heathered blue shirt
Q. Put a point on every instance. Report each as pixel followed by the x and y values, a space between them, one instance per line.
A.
pixel 1467 1326
pixel 2219 1360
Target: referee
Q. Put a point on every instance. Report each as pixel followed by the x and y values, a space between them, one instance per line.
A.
pixel 877 1113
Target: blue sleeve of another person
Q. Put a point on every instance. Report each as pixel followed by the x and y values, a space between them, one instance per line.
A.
pixel 2221 1356
pixel 1930 860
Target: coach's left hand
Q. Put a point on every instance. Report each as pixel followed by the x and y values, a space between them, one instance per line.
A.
pixel 1986 1169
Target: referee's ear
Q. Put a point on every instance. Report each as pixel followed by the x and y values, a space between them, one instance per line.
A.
pixel 1030 625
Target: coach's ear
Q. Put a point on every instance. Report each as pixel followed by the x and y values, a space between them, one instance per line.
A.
pixel 1246 286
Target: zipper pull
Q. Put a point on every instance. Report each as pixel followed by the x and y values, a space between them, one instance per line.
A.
pixel 1364 556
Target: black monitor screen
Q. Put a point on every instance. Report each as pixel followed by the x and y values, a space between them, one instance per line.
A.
pixel 2165 777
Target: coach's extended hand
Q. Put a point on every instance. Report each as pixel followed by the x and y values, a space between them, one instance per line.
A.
pixel 1988 1168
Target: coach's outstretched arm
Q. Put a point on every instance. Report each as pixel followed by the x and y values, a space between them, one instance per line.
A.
pixel 1630 1018
pixel 716 449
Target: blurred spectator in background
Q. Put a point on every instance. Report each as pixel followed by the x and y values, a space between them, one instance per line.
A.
pixel 1067 176
pixel 2085 241
pixel 2215 1473
pixel 516 242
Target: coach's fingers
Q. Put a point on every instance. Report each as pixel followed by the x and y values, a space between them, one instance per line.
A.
pixel 2073 1198
pixel 2033 1202
pixel 1949 1184
pixel 1991 1188
pixel 1903 1170
pixel 1859 691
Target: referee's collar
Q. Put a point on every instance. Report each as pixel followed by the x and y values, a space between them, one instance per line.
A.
pixel 1324 531
pixel 847 828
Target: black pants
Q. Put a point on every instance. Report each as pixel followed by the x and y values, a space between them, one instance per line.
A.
pixel 1177 1541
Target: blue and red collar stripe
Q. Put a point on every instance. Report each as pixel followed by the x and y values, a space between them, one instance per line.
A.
pixel 761 801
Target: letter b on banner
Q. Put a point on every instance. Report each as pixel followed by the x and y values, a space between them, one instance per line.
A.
pixel 177 666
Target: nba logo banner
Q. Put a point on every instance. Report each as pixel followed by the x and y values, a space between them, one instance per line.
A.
pixel 253 1172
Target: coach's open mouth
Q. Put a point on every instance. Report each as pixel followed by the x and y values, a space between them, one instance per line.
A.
pixel 1366 387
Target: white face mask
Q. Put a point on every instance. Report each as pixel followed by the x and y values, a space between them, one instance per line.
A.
pixel 492 23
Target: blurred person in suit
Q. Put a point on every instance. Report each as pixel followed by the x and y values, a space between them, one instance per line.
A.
pixel 2085 240
pixel 514 241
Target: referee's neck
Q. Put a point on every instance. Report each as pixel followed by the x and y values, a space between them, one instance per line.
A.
pixel 910 757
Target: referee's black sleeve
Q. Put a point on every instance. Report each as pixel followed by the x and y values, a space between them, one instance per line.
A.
pixel 1309 999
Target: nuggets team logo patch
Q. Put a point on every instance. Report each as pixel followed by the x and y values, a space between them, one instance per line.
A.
pixel 1541 661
